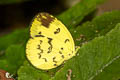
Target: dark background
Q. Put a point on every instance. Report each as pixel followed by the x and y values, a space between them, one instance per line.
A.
pixel 19 14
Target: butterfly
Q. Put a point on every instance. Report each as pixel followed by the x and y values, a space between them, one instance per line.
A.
pixel 50 42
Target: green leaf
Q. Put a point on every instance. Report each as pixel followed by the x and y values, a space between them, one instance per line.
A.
pixel 111 71
pixel 92 57
pixel 15 54
pixel 74 15
pixel 14 57
pixel 16 37
pixel 97 27
pixel 28 72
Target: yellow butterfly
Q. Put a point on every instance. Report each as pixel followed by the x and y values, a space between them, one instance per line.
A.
pixel 50 42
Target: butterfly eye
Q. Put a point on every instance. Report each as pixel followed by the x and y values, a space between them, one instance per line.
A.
pixel 8 75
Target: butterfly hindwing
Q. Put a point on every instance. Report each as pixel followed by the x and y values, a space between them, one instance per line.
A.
pixel 50 43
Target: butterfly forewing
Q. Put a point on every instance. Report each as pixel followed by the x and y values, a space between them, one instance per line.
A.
pixel 50 43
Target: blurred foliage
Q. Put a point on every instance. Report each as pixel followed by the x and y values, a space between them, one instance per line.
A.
pixel 75 15
pixel 111 72
pixel 16 37
pixel 13 59
pixel 29 72
pixel 11 1
pixel 97 59
pixel 93 57
pixel 99 26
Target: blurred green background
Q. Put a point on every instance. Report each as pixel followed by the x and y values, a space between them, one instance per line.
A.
pixel 94 25
pixel 19 13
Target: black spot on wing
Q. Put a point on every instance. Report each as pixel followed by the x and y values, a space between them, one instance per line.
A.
pixel 41 50
pixel 41 41
pixel 69 54
pixel 54 59
pixel 40 32
pixel 39 35
pixel 38 47
pixel 57 31
pixel 39 55
pixel 62 56
pixel 50 43
pixel 67 40
pixel 55 64
pixel 31 37
pixel 62 48
pixel 45 19
pixel 72 51
pixel 45 59
pixel 60 52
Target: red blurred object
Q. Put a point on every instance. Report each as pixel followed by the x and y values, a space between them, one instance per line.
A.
pixel 4 75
